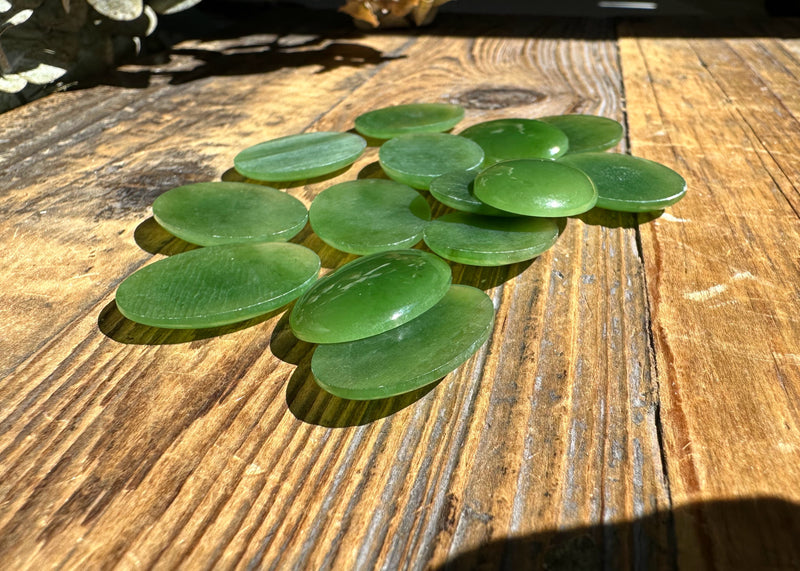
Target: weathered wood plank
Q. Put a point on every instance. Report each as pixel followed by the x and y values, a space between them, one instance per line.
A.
pixel 122 444
pixel 722 275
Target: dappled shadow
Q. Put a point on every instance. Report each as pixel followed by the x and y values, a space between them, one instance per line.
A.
pixel 744 534
pixel 271 57
pixel 184 65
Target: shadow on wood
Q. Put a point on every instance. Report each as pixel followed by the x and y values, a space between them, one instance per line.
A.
pixel 116 326
pixel 613 219
pixel 745 534
pixel 232 175
pixel 310 403
pixel 488 277
pixel 151 237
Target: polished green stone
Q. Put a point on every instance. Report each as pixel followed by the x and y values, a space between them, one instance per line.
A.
pixel 412 118
pixel 410 356
pixel 419 158
pixel 488 240
pixel 370 295
pixel 455 190
pixel 299 157
pixel 211 213
pixel 369 215
pixel 629 184
pixel 536 188
pixel 507 139
pixel 217 285
pixel 587 133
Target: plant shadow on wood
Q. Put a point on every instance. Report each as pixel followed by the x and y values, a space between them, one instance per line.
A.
pixel 746 534
pixel 185 65
pixel 116 326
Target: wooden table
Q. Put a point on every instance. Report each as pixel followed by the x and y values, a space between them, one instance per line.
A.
pixel 638 402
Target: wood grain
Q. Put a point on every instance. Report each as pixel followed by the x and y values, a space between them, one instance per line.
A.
pixel 722 273
pixel 617 417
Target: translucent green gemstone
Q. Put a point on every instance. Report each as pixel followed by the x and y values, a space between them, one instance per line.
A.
pixel 629 184
pixel 419 158
pixel 455 189
pixel 411 355
pixel 298 157
pixel 217 285
pixel 489 241
pixel 369 215
pixel 536 188
pixel 370 295
pixel 211 213
pixel 587 133
pixel 507 139
pixel 412 118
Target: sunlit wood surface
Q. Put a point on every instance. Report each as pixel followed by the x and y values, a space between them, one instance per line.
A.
pixel 638 402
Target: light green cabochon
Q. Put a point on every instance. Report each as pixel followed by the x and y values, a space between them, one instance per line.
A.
pixel 217 285
pixel 398 120
pixel 508 139
pixel 211 213
pixel 629 184
pixel 369 215
pixel 417 159
pixel 410 356
pixel 370 295
pixel 298 157
pixel 587 133
pixel 488 240
pixel 455 190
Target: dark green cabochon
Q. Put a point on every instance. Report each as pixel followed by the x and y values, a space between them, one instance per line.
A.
pixel 536 188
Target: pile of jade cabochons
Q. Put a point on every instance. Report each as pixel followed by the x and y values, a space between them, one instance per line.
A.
pixel 390 321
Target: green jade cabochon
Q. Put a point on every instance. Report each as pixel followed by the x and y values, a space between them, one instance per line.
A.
pixel 370 295
pixel 587 133
pixel 419 158
pixel 489 241
pixel 411 118
pixel 507 139
pixel 211 213
pixel 299 157
pixel 410 356
pixel 629 184
pixel 218 285
pixel 455 190
pixel 536 188
pixel 370 215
